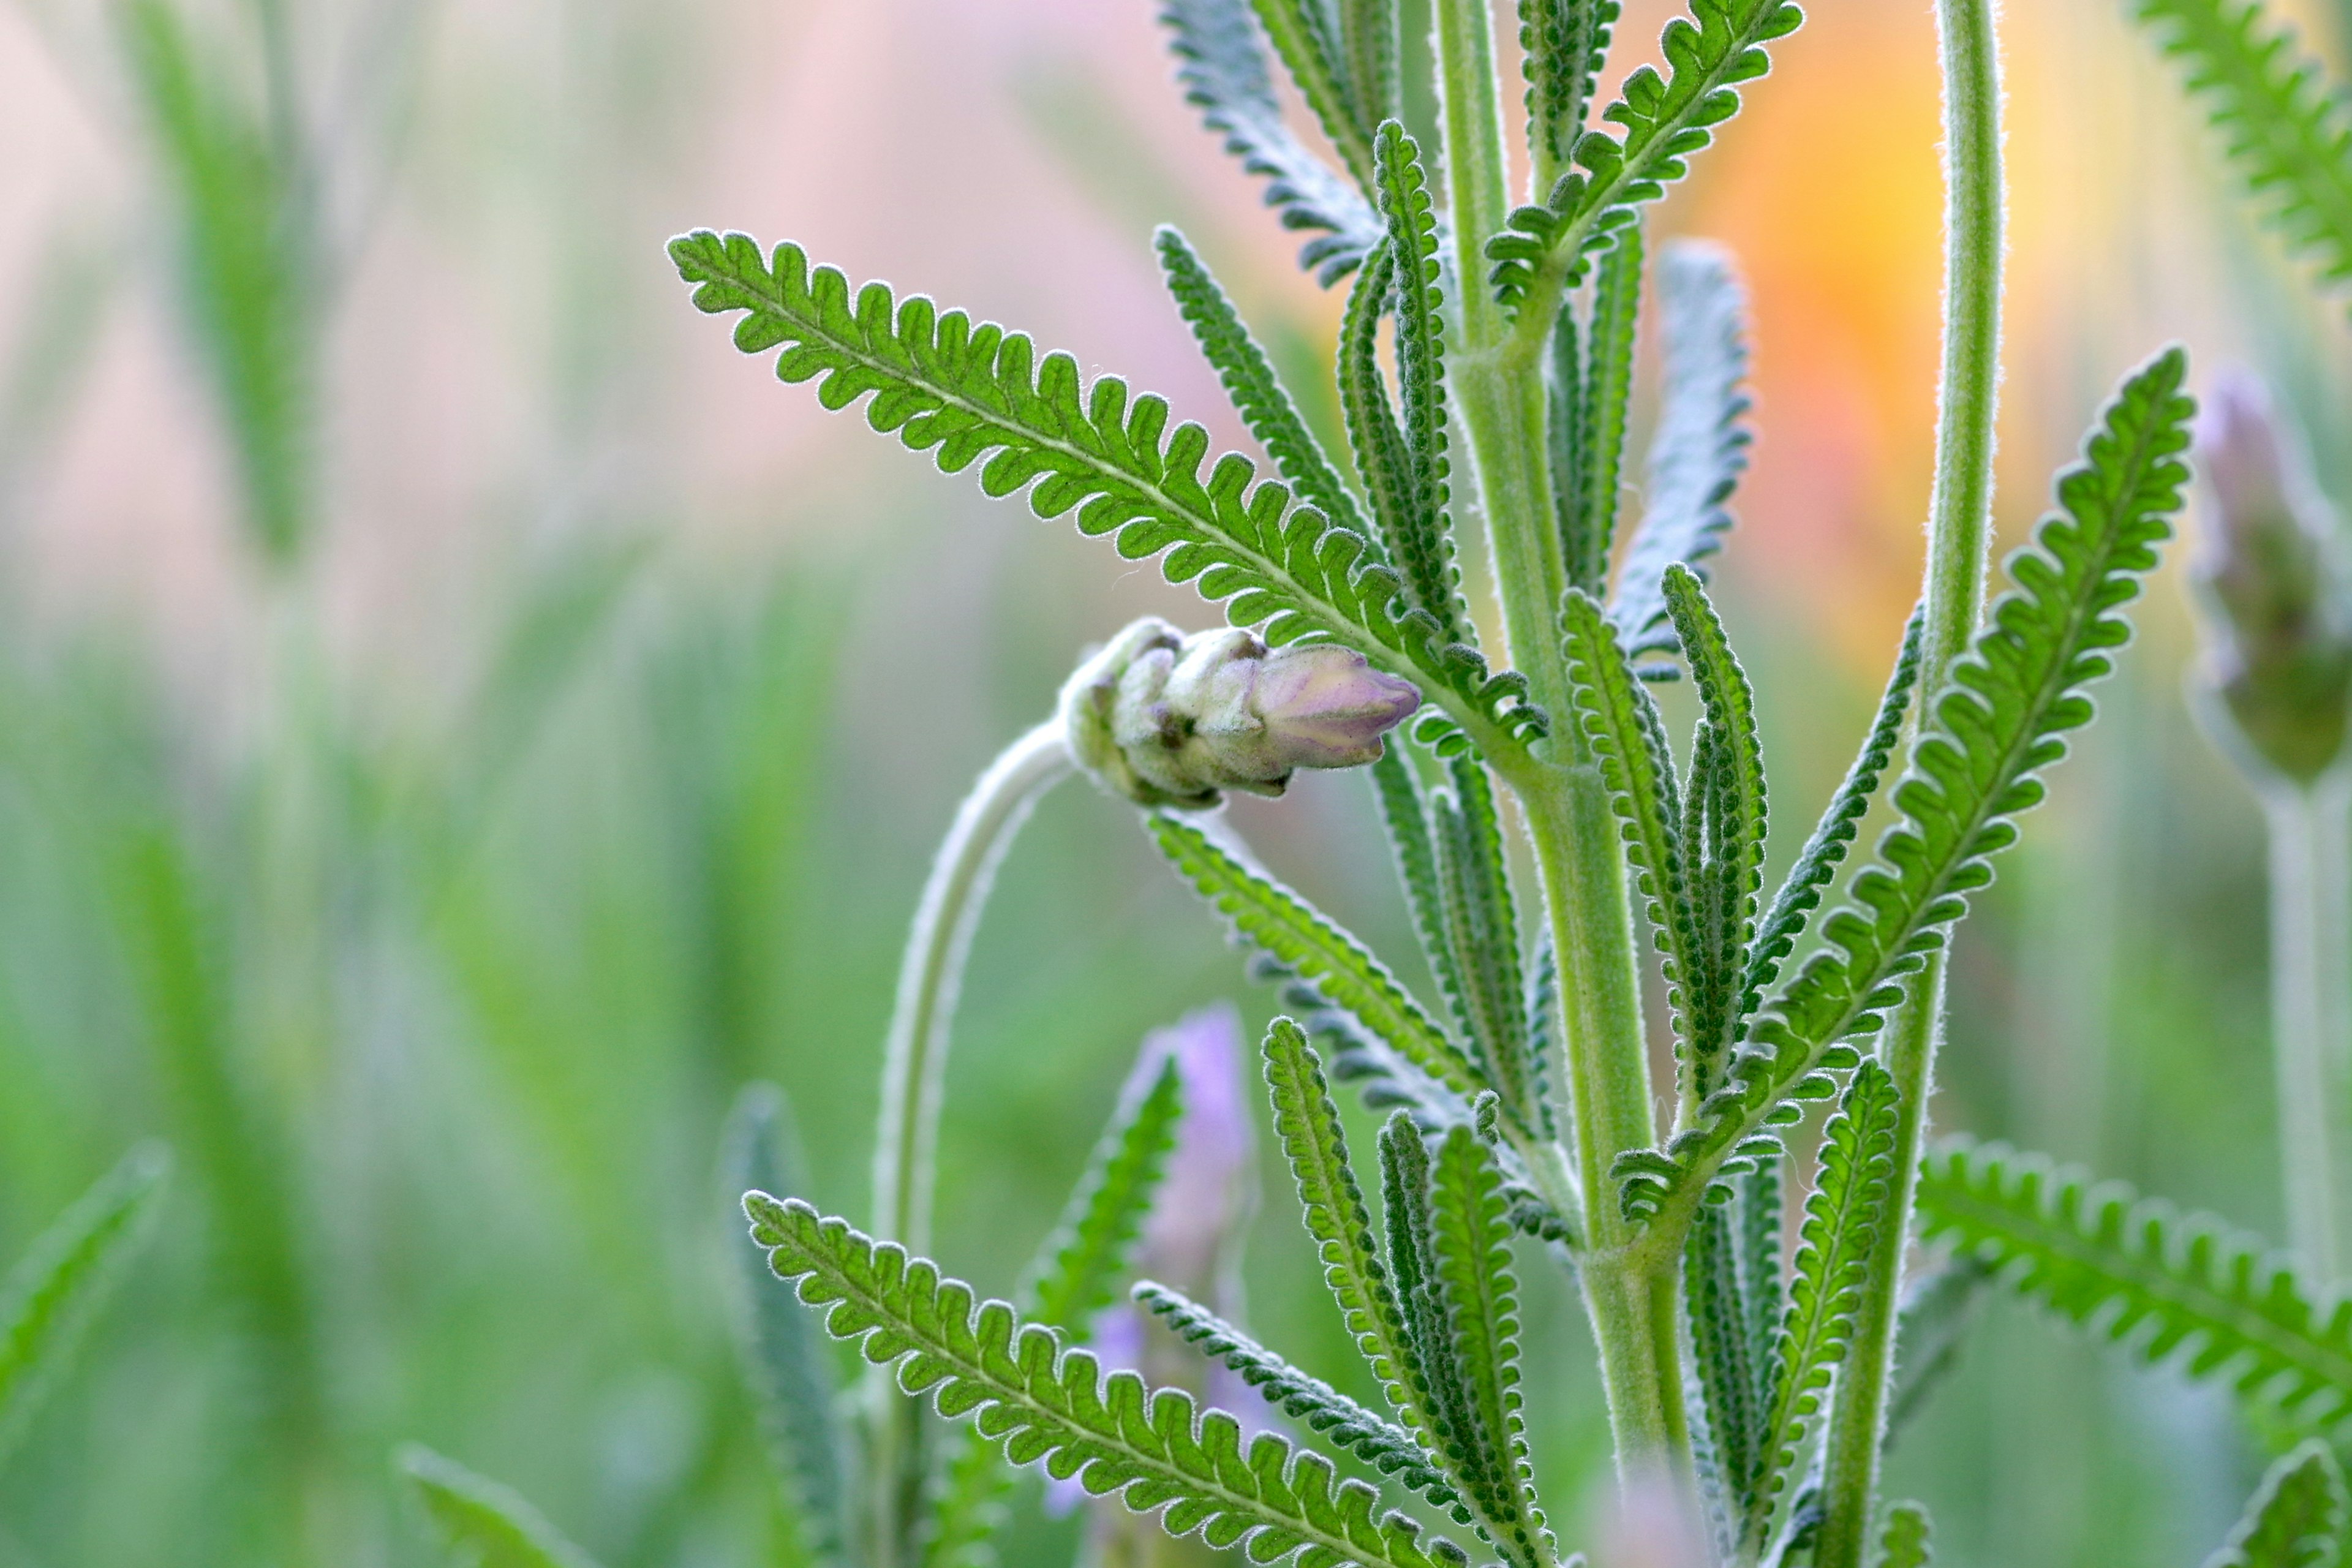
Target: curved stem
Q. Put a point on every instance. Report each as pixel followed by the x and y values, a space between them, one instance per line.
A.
pixel 1959 525
pixel 2311 1007
pixel 914 1067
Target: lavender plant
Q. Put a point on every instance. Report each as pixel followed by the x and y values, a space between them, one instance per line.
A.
pixel 1485 368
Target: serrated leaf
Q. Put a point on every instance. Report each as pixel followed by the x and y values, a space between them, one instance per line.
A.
pixel 1699 449
pixel 1589 403
pixel 1444 1417
pixel 1974 768
pixel 64 1278
pixel 1221 65
pixel 2167 1287
pixel 1730 1382
pixel 2296 1518
pixel 1049 1404
pixel 482 1525
pixel 1904 1542
pixel 1566 44
pixel 977 395
pixel 1079 1269
pixel 785 1360
pixel 1305 38
pixel 1370 44
pixel 1848 1205
pixel 1481 928
pixel 2284 125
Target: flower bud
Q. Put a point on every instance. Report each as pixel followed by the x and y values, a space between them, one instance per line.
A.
pixel 2279 650
pixel 1170 719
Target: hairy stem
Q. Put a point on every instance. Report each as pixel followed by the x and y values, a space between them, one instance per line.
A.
pixel 2311 1007
pixel 1959 525
pixel 914 1066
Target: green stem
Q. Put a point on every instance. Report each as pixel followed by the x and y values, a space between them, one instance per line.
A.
pixel 914 1066
pixel 1960 527
pixel 2311 1007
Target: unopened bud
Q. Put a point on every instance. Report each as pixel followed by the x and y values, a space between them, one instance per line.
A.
pixel 2279 653
pixel 1170 719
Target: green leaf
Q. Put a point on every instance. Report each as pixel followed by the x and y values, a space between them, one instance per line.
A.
pixel 1079 1269
pixel 2294 1520
pixel 482 1524
pixel 1404 812
pixel 1848 1205
pixel 1589 407
pixel 1565 42
pixel 1825 849
pixel 1422 535
pixel 1725 1359
pixel 1930 1328
pixel 785 1360
pixel 1249 381
pixel 1442 1417
pixel 66 1277
pixel 1470 1272
pixel 1293 933
pixel 968 391
pixel 1974 768
pixel 2284 124
pixel 1904 1543
pixel 1724 824
pixel 1482 933
pixel 1305 35
pixel 1375 439
pixel 2145 1276
pixel 1048 1402
pixel 1368 42
pixel 1700 448
pixel 1223 67
pixel 1386 1447
pixel 1666 119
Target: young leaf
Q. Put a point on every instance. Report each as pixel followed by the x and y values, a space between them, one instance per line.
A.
pixel 1078 1271
pixel 1224 76
pixel 785 1360
pixel 1974 768
pixel 1374 437
pixel 1565 42
pixel 1482 933
pixel 2283 123
pixel 1305 35
pixel 1470 1270
pixel 2146 1276
pixel 1825 849
pixel 2296 1518
pixel 66 1277
pixel 1369 43
pixel 1725 1355
pixel 1447 1421
pixel 1249 381
pixel 1666 119
pixel 1326 1412
pixel 1904 1543
pixel 1842 1219
pixel 968 391
pixel 1404 811
pixel 482 1525
pixel 1588 411
pixel 1284 926
pixel 1046 1401
pixel 1308 1123
pixel 1700 448
pixel 1423 535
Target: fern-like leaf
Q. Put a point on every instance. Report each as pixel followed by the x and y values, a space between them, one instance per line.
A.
pixel 482 1525
pixel 1471 1272
pixel 1565 42
pixel 1371 45
pixel 785 1360
pixel 1666 119
pixel 1842 1219
pixel 1825 848
pixel 2295 1519
pixel 1482 932
pixel 2285 127
pixel 1375 438
pixel 1974 769
pixel 1404 812
pixel 1050 1404
pixel 1305 34
pixel 1424 536
pixel 966 391
pixel 1724 1354
pixel 1285 927
pixel 1248 377
pixel 1079 1268
pixel 1384 1444
pixel 1222 66
pixel 1590 402
pixel 1700 449
pixel 2145 1276
pixel 1906 1539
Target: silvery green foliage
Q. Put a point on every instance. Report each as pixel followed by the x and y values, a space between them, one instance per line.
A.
pixel 1485 1153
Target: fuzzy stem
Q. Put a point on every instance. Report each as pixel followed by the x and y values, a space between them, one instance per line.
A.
pixel 2311 1007
pixel 1960 526
pixel 914 1066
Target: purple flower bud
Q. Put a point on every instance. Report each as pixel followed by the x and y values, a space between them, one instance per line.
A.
pixel 2279 650
pixel 1166 719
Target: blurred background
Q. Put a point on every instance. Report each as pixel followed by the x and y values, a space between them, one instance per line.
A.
pixel 460 721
